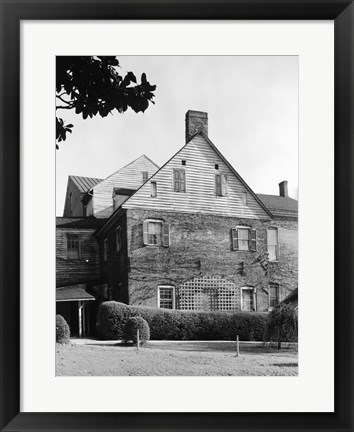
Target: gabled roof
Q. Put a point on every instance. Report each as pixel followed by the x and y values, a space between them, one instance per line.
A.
pixel 280 206
pixel 84 183
pixel 79 222
pixel 143 156
pixel 207 139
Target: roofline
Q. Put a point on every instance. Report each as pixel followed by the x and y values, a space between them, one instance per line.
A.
pixel 225 161
pixel 234 171
pixel 116 214
pixel 115 172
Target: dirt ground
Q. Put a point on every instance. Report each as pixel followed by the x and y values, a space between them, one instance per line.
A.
pixel 175 359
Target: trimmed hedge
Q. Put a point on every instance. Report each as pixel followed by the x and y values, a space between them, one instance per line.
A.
pixel 131 327
pixel 111 319
pixel 168 324
pixel 62 330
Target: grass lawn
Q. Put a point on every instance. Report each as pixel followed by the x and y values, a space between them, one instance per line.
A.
pixel 175 358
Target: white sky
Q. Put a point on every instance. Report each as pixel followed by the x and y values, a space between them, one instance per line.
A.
pixel 252 105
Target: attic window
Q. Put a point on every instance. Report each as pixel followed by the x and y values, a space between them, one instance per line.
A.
pixel 244 198
pixel 216 166
pixel 184 162
pixel 145 176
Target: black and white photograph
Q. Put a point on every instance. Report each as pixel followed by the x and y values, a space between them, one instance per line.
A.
pixel 177 215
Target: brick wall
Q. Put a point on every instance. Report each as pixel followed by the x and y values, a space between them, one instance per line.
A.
pixel 200 246
pixel 115 268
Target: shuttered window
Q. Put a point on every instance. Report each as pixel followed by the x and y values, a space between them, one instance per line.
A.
pixel 220 184
pixel 273 245
pixel 156 233
pixel 244 198
pixel 244 239
pixel 73 246
pixel 179 180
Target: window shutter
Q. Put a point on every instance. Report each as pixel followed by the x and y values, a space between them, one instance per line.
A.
pixel 166 235
pixel 253 240
pixel 217 185
pixel 224 185
pixel 145 232
pixel 234 239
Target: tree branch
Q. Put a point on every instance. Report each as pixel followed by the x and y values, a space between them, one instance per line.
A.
pixel 65 107
pixel 63 100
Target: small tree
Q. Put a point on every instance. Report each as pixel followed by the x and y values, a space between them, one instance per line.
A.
pixel 282 324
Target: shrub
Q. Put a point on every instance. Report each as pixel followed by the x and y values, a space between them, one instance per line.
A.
pixel 282 324
pixel 131 327
pixel 111 319
pixel 168 324
pixel 62 330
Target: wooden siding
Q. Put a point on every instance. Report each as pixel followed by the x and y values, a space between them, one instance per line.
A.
pixel 200 196
pixel 86 269
pixel 76 209
pixel 129 177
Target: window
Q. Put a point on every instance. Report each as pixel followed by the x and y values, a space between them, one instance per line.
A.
pixel 272 242
pixel 273 294
pixel 73 246
pixel 105 249
pixel 220 184
pixel 248 303
pixel 179 180
pixel 216 166
pixel 244 198
pixel 145 176
pixel 166 297
pixel 153 189
pixel 184 162
pixel 156 232
pixel 118 239
pixel 244 239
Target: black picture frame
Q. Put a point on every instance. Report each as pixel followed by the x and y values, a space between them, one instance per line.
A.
pixel 12 12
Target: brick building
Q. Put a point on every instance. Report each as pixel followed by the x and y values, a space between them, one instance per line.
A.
pixel 195 236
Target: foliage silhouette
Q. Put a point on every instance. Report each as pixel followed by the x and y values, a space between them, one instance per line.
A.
pixel 92 85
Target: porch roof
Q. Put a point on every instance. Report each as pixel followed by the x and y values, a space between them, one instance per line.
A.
pixel 73 293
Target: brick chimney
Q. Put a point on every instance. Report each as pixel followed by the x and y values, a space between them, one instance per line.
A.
pixel 283 188
pixel 196 121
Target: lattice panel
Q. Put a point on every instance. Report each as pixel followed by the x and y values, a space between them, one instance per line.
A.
pixel 208 294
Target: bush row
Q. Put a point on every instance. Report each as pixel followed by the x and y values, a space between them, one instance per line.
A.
pixel 168 324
